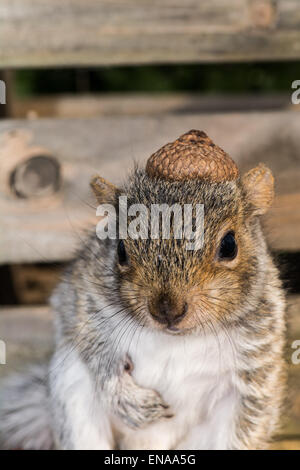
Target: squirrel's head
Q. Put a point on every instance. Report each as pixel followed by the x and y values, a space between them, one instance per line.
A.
pixel 179 273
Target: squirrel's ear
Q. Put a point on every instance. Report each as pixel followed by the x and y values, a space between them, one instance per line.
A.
pixel 104 191
pixel 259 186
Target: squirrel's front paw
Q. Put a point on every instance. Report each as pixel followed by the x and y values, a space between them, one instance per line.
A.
pixel 140 406
pixel 146 407
pixel 152 408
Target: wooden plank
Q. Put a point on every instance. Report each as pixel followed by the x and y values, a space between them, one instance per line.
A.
pixel 28 334
pixel 287 444
pixel 132 104
pixel 294 317
pixel 34 283
pixel 92 32
pixel 282 223
pixel 291 412
pixel 50 228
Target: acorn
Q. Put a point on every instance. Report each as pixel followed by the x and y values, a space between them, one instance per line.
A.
pixel 192 156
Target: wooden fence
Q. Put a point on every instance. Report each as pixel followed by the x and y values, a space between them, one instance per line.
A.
pixel 89 32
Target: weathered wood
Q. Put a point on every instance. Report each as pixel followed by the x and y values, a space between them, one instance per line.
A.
pixel 291 411
pixel 287 444
pixel 93 32
pixel 131 104
pixel 282 223
pixel 294 317
pixel 26 170
pixel 28 334
pixel 50 228
pixel 34 283
pixel 38 176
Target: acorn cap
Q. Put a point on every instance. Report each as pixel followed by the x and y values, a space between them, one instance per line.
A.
pixel 192 156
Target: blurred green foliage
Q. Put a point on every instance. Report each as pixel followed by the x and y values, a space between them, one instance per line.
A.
pixel 207 78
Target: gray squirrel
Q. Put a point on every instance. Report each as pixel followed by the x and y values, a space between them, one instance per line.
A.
pixel 157 346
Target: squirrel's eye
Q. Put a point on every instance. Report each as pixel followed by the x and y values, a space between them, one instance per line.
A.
pixel 122 255
pixel 228 247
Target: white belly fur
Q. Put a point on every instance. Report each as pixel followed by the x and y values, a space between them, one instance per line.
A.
pixel 194 375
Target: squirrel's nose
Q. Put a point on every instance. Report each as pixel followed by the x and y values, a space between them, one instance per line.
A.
pixel 167 311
